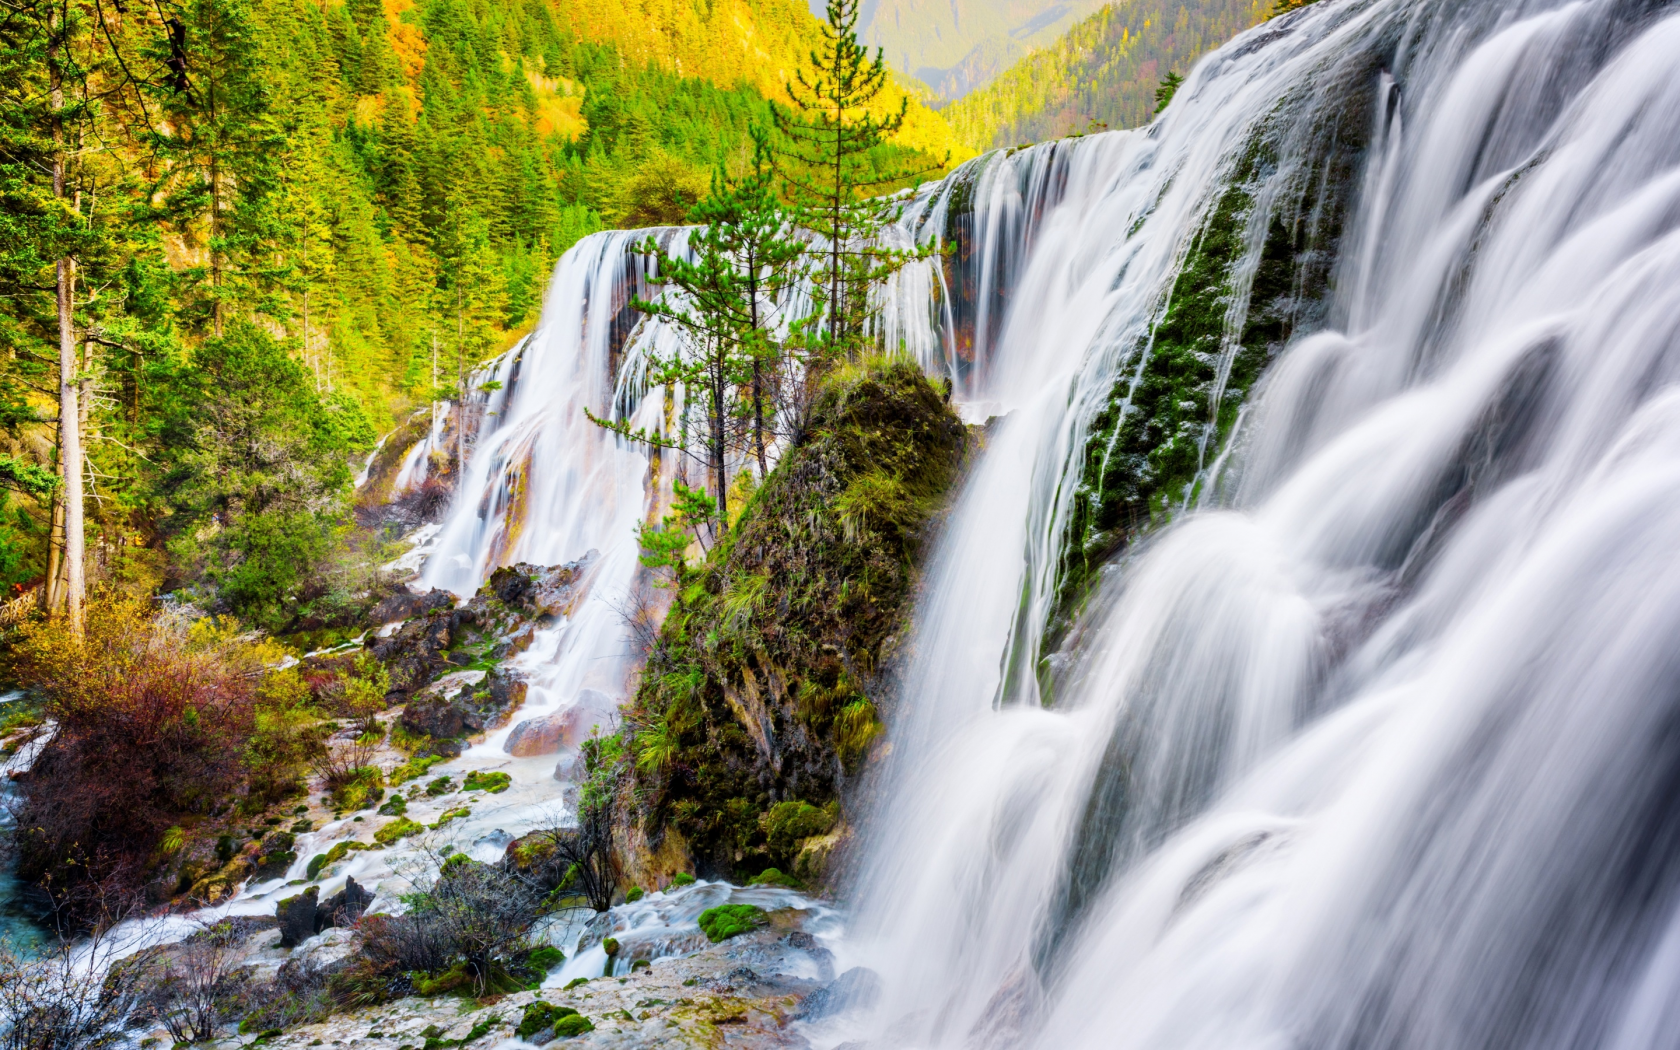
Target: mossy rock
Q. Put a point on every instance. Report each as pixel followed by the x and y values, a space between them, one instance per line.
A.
pixel 440 786
pixel 545 958
pixel 762 684
pixel 540 1016
pixel 730 920
pixel 682 878
pixel 395 806
pixel 773 877
pixel 447 816
pixel 397 829
pixel 572 1025
pixel 494 783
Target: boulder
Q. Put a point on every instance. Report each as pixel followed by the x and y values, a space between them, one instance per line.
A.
pixel 406 605
pixel 563 729
pixel 856 989
pixel 344 907
pixel 297 917
pixel 327 949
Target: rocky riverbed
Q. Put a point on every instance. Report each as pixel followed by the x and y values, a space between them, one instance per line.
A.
pixel 776 986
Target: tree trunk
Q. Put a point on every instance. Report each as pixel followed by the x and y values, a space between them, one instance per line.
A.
pixel 69 412
pixel 460 388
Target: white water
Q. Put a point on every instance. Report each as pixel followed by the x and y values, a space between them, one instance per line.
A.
pixel 1378 746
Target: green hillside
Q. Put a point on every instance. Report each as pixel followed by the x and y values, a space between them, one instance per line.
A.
pixel 1105 70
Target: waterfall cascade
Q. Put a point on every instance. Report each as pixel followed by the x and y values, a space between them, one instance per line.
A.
pixel 1373 744
pixel 1295 667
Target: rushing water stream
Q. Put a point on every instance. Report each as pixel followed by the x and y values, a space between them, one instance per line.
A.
pixel 1376 745
pixel 1373 740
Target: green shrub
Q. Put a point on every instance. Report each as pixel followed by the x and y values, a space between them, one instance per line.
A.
pixel 495 783
pixel 773 877
pixel 730 920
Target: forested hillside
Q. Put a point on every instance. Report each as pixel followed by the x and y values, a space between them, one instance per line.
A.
pixel 1104 71
pixel 288 222
pixel 956 48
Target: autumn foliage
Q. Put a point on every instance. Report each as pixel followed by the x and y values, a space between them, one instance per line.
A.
pixel 157 722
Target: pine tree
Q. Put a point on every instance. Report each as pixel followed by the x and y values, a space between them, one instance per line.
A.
pixel 831 141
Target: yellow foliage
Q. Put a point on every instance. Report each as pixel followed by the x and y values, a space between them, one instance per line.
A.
pixel 757 42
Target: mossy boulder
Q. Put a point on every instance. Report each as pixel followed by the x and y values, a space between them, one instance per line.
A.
pixel 730 920
pixel 400 828
pixel 765 681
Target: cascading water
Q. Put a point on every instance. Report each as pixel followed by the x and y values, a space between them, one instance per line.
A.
pixel 1374 744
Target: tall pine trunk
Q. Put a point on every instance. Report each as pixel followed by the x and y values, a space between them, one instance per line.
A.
pixel 69 411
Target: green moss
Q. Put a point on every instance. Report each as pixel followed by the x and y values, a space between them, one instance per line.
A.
pixel 1167 418
pixel 634 895
pixel 414 768
pixel 682 878
pixel 576 982
pixel 395 806
pixel 400 828
pixel 773 877
pixel 495 783
pixel 730 920
pixel 790 823
pixel 545 958
pixel 572 1025
pixel 440 786
pixel 540 1016
pixel 447 816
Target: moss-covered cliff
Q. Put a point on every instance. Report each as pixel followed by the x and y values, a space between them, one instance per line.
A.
pixel 760 697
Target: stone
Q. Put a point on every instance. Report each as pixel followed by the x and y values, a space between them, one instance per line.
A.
pixel 856 989
pixel 297 917
pixel 344 907
pixel 405 605
pixel 564 729
pixel 326 949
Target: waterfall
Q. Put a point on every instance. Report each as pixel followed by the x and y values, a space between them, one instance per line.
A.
pixel 1359 728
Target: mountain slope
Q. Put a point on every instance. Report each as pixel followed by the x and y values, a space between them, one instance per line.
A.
pixel 955 48
pixel 1106 69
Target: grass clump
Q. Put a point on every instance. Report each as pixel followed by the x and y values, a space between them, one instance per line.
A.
pixel 730 920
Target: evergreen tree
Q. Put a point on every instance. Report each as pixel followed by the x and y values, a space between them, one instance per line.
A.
pixel 834 159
